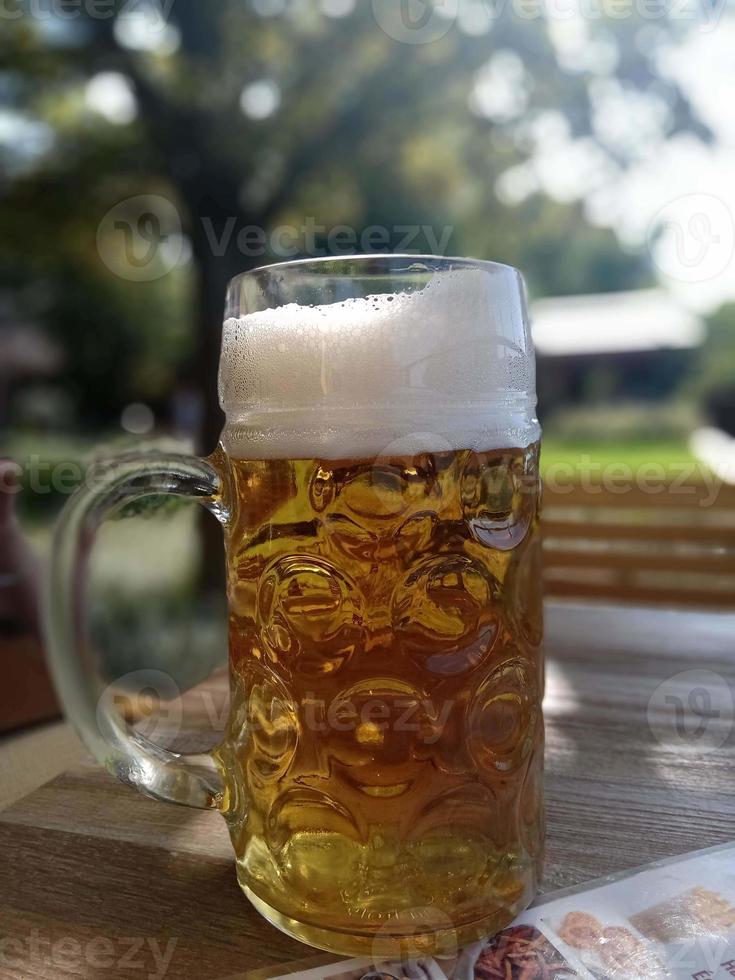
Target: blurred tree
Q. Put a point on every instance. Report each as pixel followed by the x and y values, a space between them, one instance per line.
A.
pixel 713 373
pixel 250 115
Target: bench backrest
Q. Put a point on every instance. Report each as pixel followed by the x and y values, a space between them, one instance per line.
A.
pixel 675 546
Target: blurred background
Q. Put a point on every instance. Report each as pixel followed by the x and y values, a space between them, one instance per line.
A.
pixel 152 149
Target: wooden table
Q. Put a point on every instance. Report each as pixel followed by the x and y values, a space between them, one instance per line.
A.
pixel 96 880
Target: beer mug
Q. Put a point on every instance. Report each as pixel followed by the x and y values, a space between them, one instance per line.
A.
pixel 377 482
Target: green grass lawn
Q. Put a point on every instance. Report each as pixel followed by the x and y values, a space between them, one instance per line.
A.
pixel 581 455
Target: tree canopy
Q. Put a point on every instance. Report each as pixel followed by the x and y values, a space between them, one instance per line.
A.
pixel 265 126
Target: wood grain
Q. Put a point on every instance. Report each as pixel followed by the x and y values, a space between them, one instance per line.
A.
pixel 675 548
pixel 95 880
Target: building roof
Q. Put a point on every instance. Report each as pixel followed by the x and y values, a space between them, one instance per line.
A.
pixel 607 323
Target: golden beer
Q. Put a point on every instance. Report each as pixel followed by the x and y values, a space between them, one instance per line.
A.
pixel 383 758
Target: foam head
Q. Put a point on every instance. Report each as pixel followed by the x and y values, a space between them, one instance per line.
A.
pixel 447 364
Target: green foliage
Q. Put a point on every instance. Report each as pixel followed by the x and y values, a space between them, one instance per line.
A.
pixel 712 377
pixel 171 629
pixel 52 467
pixel 715 366
pixel 616 423
pixel 368 131
pixel 559 456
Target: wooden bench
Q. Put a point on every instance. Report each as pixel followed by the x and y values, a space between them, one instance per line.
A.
pixel 675 546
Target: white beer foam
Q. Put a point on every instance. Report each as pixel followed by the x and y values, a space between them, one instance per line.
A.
pixel 449 366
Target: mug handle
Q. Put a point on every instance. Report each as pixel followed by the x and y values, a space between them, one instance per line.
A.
pixel 192 780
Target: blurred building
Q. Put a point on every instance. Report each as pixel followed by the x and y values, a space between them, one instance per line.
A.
pixel 608 346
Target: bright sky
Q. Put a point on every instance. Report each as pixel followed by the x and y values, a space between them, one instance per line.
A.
pixel 678 196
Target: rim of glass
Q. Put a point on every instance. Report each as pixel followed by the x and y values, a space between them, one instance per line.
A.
pixel 321 264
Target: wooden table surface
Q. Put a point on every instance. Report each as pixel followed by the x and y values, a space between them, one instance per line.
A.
pixel 97 881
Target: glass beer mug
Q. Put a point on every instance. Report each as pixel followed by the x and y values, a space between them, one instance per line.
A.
pixel 377 482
